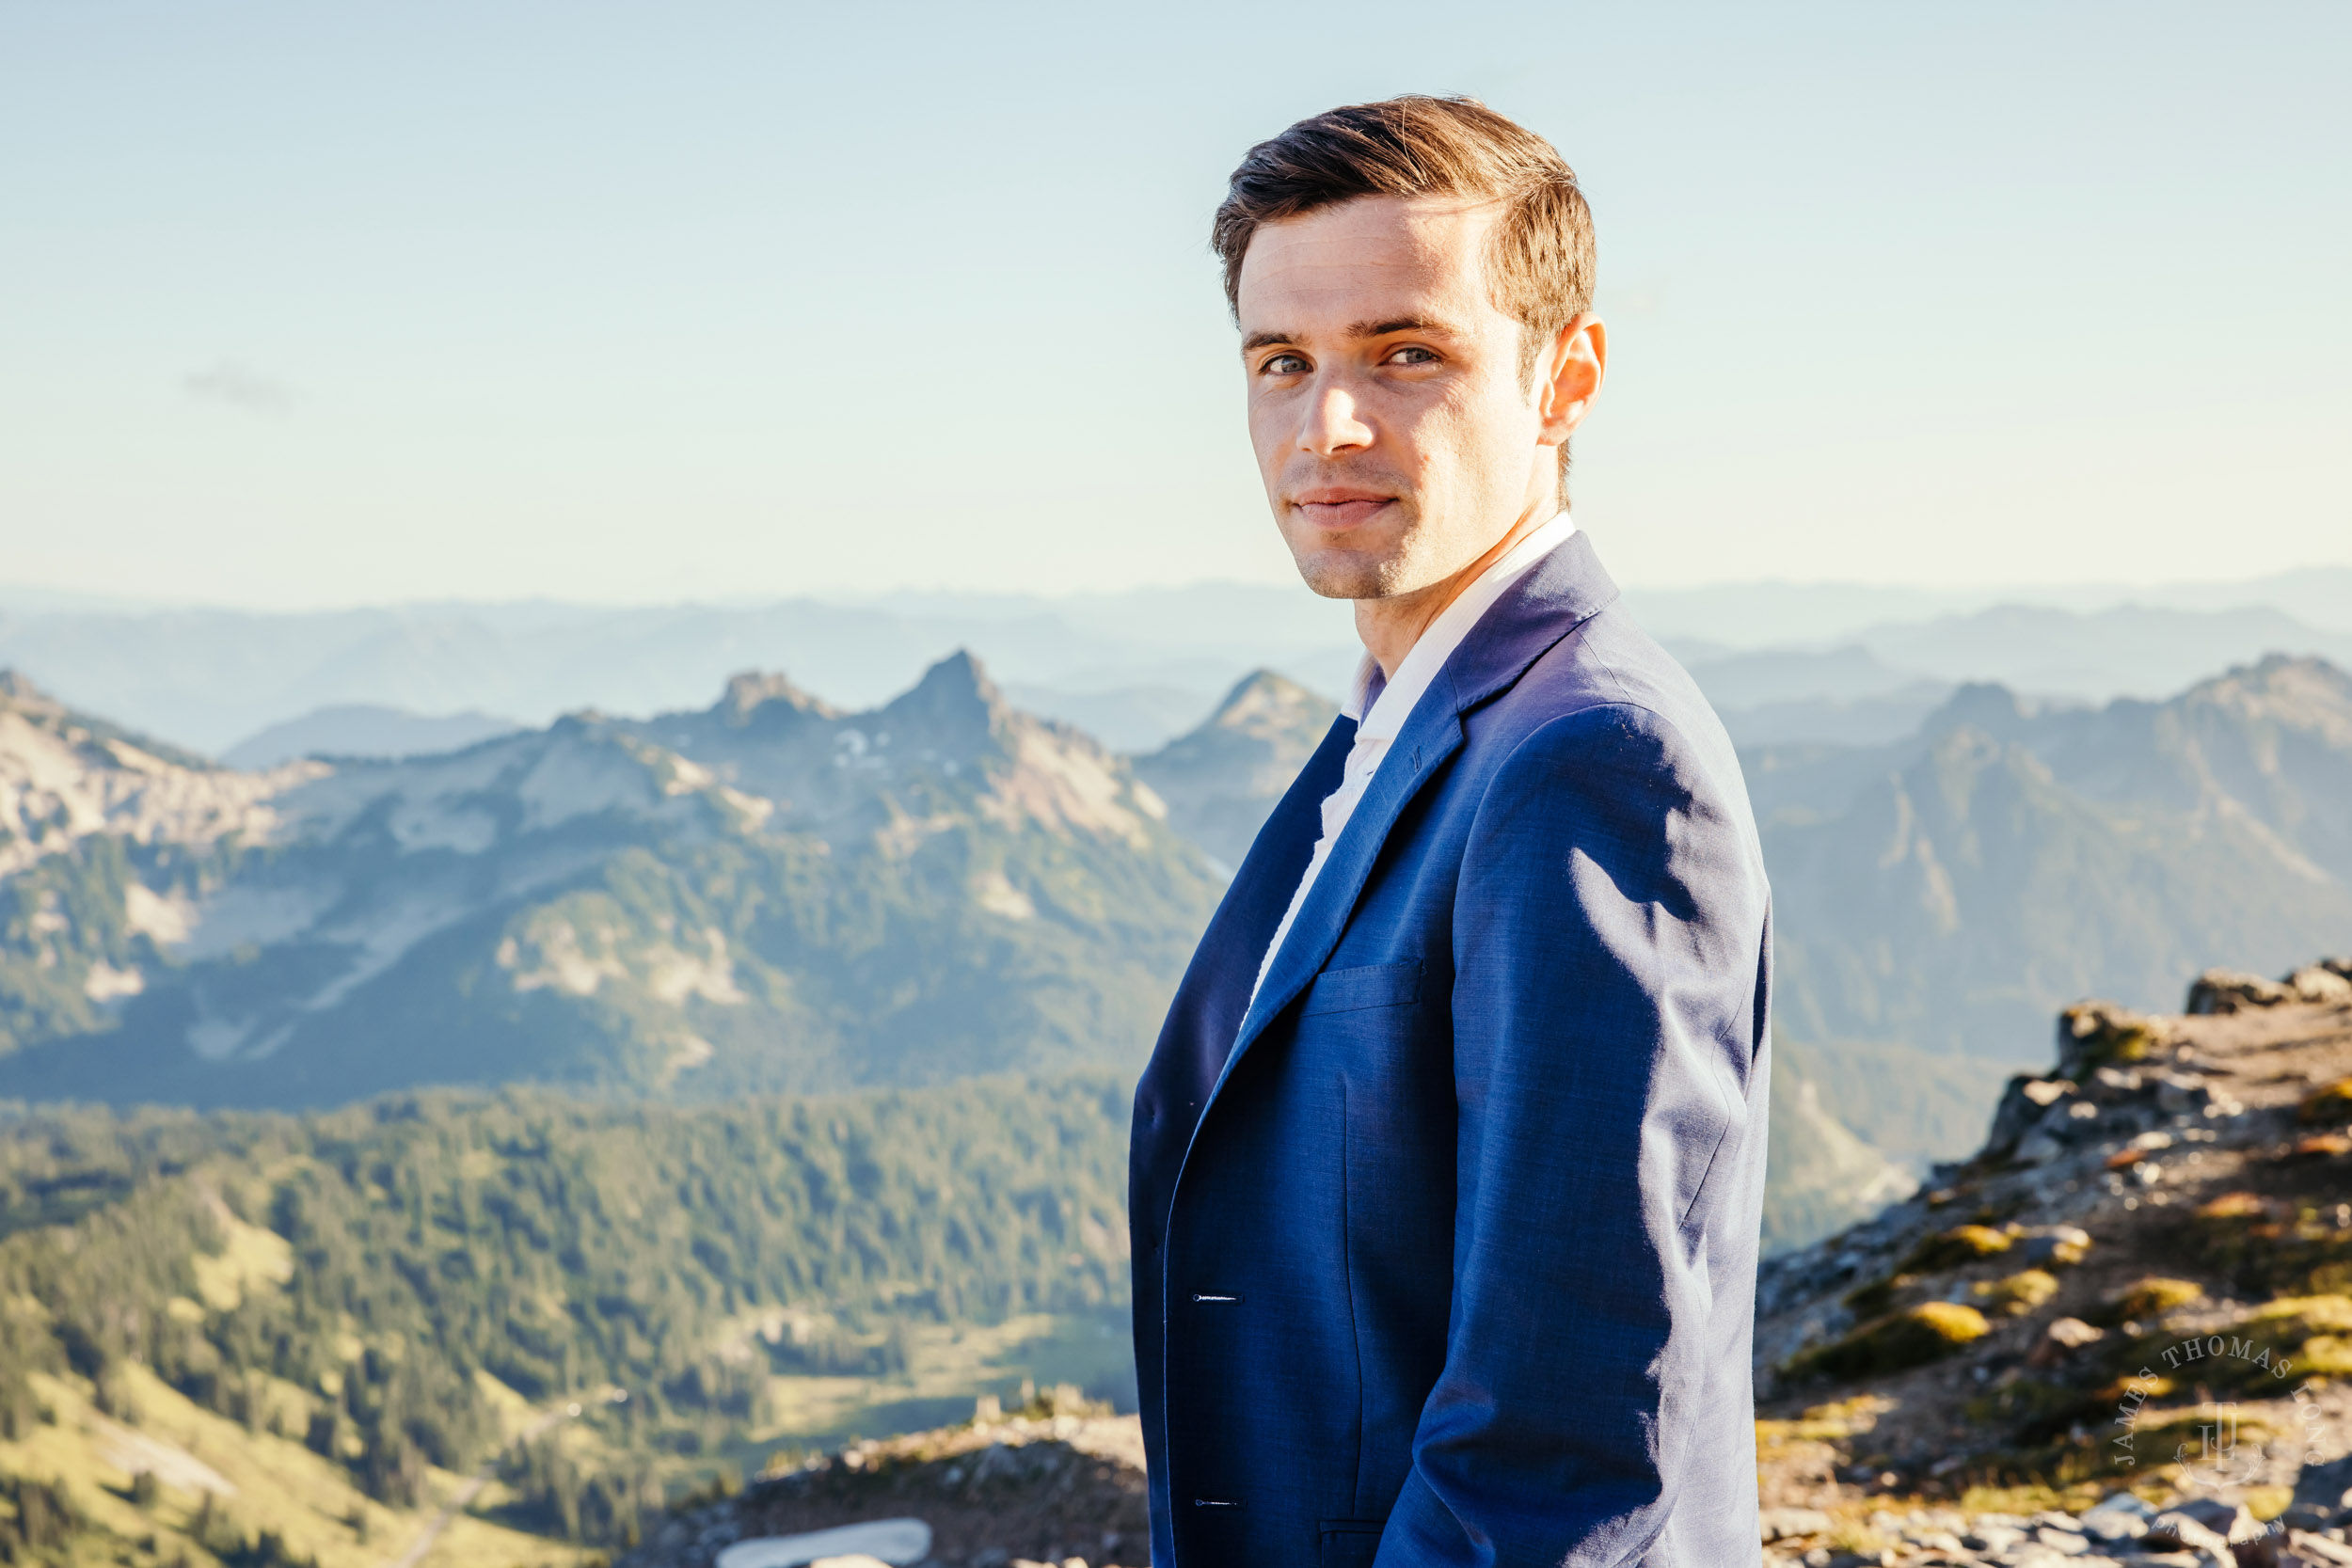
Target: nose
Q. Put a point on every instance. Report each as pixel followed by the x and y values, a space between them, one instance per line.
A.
pixel 1334 424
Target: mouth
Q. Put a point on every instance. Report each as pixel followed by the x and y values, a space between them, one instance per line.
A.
pixel 1337 508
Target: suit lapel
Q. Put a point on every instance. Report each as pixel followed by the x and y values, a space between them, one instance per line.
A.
pixel 1216 984
pixel 1431 733
pixel 1557 594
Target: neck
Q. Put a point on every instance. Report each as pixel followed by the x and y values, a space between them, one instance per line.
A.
pixel 1390 627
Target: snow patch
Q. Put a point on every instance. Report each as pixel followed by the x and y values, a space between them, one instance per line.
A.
pixel 675 975
pixel 997 896
pixel 561 962
pixel 106 983
pixel 163 918
pixel 692 1052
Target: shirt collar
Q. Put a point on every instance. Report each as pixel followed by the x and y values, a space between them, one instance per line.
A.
pixel 1380 709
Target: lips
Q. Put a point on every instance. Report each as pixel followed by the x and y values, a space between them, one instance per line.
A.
pixel 1338 509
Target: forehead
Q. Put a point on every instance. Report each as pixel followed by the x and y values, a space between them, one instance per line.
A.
pixel 1375 257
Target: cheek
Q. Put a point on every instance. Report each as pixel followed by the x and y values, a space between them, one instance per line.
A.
pixel 1496 426
pixel 1442 431
pixel 1269 428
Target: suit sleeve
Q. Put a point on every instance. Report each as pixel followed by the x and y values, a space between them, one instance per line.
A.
pixel 1607 932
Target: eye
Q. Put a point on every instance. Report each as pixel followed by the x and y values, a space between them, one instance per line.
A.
pixel 1284 364
pixel 1410 353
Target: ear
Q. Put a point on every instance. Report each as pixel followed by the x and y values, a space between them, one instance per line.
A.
pixel 1569 376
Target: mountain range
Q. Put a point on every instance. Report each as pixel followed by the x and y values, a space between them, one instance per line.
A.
pixel 1937 898
pixel 775 892
pixel 1785 663
pixel 770 893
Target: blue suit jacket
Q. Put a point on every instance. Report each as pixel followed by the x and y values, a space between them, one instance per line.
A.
pixel 1445 1252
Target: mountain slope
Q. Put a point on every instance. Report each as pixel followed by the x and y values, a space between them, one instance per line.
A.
pixel 302 1313
pixel 1944 896
pixel 1222 779
pixel 768 893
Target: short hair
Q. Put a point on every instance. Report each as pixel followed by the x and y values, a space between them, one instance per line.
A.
pixel 1540 263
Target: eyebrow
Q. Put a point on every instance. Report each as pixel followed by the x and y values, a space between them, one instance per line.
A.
pixel 1360 329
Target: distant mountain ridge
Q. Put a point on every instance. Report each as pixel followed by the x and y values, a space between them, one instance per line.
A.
pixel 1135 668
pixel 768 893
pixel 1937 897
pixel 364 730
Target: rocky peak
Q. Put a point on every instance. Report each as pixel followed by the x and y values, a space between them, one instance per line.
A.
pixel 1984 705
pixel 2300 693
pixel 750 691
pixel 18 691
pixel 954 707
pixel 1222 778
pixel 1266 705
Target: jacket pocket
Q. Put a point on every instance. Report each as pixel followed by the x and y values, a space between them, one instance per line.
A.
pixel 1347 1543
pixel 1347 991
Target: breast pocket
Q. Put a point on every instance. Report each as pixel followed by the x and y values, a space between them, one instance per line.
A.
pixel 1365 987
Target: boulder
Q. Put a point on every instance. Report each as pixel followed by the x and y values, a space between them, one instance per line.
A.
pixel 2057 1243
pixel 2320 983
pixel 2176 1530
pixel 2231 991
pixel 1783 1524
pixel 2117 1516
pixel 2328 1104
pixel 2322 1495
pixel 2091 1035
pixel 1928 1332
pixel 2060 1341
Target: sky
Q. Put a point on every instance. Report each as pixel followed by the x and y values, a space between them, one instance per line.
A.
pixel 310 305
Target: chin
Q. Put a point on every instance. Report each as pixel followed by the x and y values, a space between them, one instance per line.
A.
pixel 1342 575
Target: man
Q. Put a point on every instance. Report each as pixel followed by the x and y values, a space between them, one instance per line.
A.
pixel 1447 1167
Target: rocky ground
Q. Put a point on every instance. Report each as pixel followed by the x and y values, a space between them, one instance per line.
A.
pixel 2120 1335
pixel 2115 1335
pixel 1057 1483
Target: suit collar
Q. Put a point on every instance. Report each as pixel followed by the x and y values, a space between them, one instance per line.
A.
pixel 1562 592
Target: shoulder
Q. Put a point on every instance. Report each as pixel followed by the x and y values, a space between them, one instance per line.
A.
pixel 1607 711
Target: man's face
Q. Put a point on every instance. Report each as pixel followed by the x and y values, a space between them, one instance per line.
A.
pixel 1396 442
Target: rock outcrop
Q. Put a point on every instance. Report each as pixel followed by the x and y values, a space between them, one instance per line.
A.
pixel 1057 1483
pixel 2117 1334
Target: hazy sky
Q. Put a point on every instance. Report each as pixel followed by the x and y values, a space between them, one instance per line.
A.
pixel 322 304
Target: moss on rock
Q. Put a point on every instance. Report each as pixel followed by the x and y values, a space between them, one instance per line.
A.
pixel 2020 1294
pixel 2149 1298
pixel 1901 1340
pixel 2329 1105
pixel 1949 1249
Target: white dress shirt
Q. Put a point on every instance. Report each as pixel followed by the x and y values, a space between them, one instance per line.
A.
pixel 1391 703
